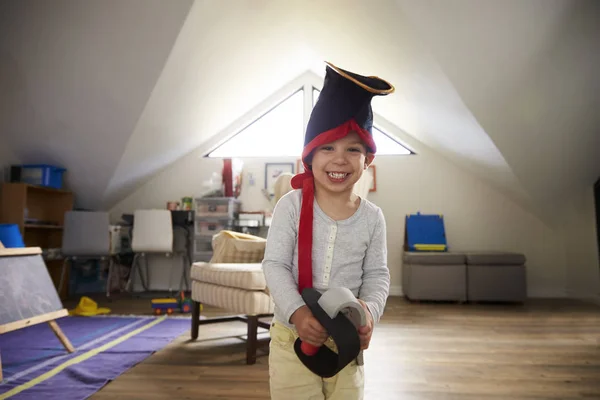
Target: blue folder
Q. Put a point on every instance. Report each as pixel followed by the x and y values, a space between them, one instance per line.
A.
pixel 425 233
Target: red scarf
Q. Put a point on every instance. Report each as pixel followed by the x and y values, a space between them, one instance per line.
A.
pixel 305 181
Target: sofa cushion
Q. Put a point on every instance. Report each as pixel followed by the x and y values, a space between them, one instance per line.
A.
pixel 232 299
pixel 434 282
pixel 496 283
pixel 442 258
pixel 242 276
pixel 495 258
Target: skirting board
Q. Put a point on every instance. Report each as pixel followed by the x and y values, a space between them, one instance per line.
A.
pixel 396 291
pixel 592 298
pixel 539 293
pixel 546 293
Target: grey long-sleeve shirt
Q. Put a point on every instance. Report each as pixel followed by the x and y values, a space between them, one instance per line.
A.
pixel 351 253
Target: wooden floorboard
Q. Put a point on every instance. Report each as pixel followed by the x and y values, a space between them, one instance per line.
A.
pixel 546 349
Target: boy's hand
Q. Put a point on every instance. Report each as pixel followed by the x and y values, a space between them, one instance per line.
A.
pixel 365 332
pixel 309 329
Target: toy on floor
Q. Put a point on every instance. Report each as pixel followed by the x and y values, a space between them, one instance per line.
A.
pixel 185 304
pixel 167 305
pixel 88 307
pixel 170 304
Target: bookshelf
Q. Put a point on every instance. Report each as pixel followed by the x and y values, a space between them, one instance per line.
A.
pixel 39 212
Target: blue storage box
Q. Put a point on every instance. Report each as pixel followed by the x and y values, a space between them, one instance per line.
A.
pixel 425 233
pixel 42 175
pixel 10 236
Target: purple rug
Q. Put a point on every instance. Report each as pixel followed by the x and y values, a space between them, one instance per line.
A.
pixel 36 366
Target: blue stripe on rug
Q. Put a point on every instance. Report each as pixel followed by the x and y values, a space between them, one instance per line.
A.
pixel 33 351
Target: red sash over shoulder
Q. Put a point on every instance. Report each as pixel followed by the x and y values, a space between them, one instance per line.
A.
pixel 305 181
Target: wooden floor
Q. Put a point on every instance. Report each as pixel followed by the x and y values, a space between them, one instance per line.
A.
pixel 547 349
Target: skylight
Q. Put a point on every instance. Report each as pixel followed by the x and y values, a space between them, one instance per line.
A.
pixel 280 132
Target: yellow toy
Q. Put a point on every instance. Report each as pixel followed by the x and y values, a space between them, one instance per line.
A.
pixel 88 307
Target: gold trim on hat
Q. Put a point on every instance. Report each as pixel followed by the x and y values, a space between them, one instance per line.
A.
pixel 361 84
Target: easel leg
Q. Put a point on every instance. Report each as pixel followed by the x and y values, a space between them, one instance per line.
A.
pixel 61 336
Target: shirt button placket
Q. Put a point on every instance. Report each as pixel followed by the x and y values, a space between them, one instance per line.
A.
pixel 329 257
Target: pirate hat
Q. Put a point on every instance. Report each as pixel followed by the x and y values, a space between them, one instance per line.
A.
pixel 344 105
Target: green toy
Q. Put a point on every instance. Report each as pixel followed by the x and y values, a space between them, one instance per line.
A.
pixel 185 303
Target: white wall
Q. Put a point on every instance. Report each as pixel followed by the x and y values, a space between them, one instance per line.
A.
pixel 477 217
pixel 7 158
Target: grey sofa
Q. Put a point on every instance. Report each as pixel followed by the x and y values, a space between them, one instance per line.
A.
pixel 464 276
pixel 434 276
pixel 496 276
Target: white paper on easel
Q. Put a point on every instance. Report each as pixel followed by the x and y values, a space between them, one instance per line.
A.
pixel 26 289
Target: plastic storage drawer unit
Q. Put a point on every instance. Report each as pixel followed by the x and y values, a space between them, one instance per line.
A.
pixel 42 175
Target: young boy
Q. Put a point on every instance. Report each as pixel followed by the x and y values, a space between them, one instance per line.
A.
pixel 322 235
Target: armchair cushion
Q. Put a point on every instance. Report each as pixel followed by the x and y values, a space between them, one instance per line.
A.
pixel 232 299
pixel 241 276
pixel 495 258
pixel 440 258
pixel 235 247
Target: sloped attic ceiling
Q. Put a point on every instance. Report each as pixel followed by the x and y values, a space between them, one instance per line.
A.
pixel 226 62
pixel 75 77
pixel 528 72
pixel 484 83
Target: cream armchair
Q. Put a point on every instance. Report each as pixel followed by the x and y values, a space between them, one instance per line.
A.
pixel 233 280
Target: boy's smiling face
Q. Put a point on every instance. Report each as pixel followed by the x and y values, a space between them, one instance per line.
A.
pixel 338 165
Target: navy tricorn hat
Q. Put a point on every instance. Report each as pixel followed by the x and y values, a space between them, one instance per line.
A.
pixel 344 106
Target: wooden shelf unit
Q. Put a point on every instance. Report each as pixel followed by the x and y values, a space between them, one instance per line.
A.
pixel 21 202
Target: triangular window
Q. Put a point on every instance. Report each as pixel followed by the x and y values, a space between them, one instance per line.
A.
pixel 280 132
pixel 386 144
pixel 276 133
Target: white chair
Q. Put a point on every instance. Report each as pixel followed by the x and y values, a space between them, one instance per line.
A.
pixel 153 233
pixel 86 236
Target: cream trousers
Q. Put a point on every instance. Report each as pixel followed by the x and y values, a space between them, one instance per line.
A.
pixel 289 379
